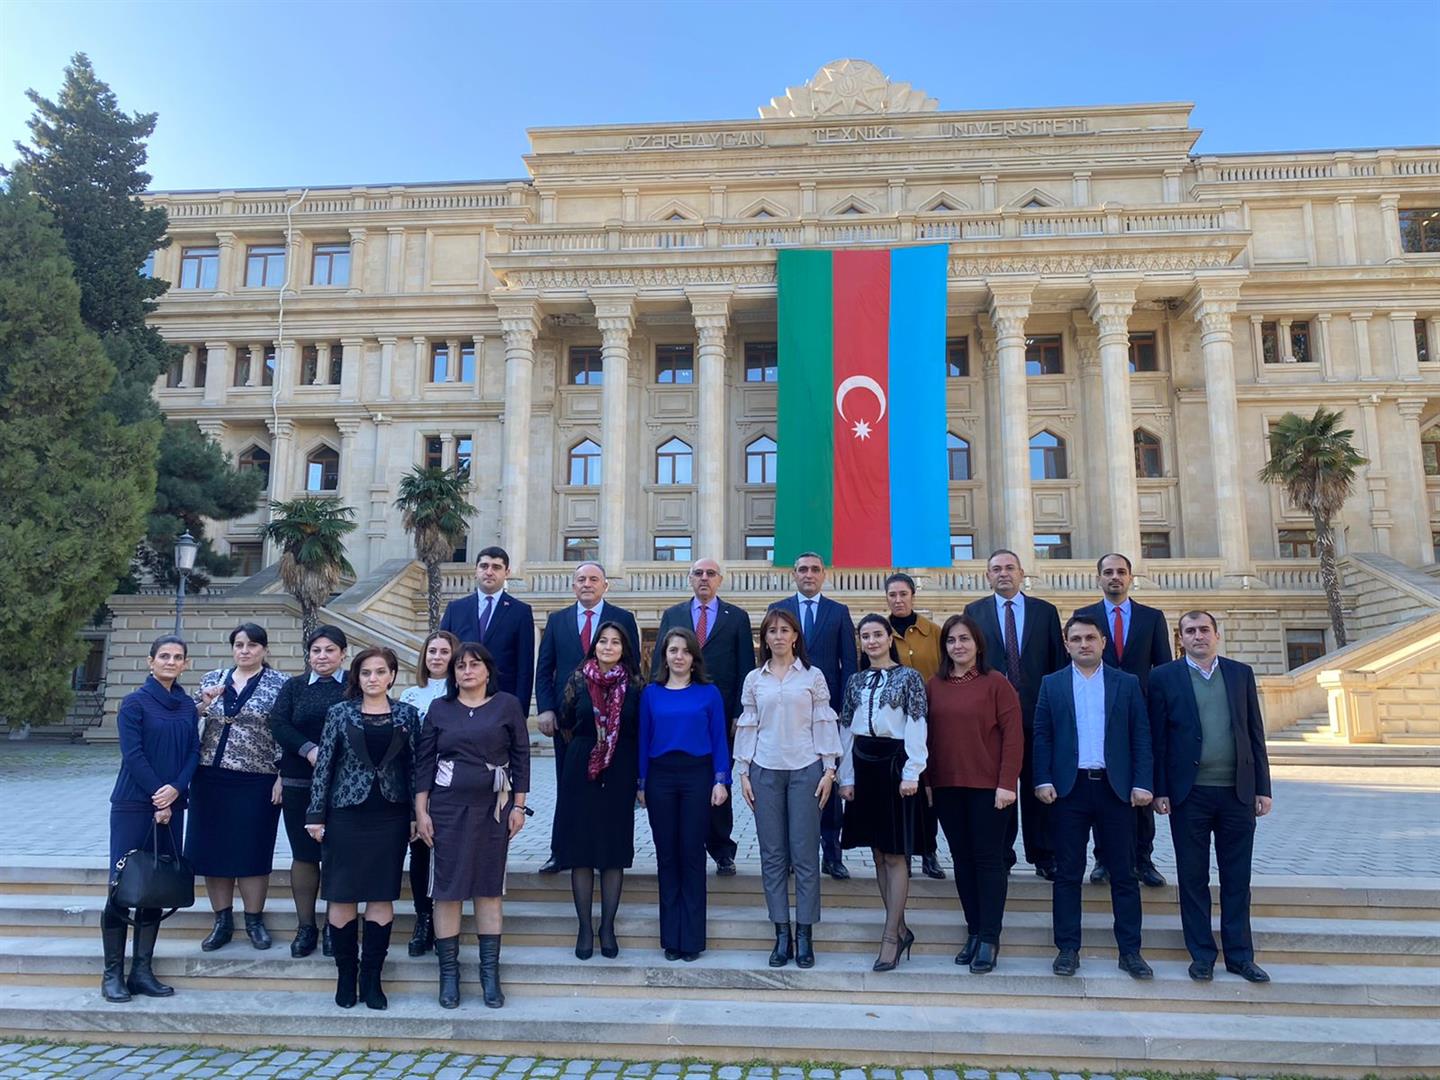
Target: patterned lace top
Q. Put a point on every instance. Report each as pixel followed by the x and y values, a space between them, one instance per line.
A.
pixel 235 729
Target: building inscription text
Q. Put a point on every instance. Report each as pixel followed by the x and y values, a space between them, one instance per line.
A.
pixel 694 140
pixel 1069 125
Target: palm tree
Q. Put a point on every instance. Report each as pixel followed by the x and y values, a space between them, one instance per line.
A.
pixel 1315 463
pixel 434 506
pixel 311 536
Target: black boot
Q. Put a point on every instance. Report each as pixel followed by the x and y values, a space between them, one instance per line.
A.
pixel 142 977
pixel 448 951
pixel 345 941
pixel 327 939
pixel 784 945
pixel 372 962
pixel 305 940
pixel 490 970
pixel 112 933
pixel 255 930
pixel 804 946
pixel 221 932
pixel 423 939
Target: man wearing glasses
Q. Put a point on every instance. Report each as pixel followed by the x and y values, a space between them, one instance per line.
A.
pixel 728 646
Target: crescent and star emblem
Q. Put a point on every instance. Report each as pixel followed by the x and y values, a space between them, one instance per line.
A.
pixel 860 428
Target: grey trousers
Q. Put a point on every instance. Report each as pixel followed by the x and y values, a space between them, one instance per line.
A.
pixel 787 824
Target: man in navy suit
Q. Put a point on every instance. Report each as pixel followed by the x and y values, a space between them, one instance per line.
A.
pixel 830 643
pixel 567 638
pixel 503 624
pixel 1212 777
pixel 1023 642
pixel 1136 640
pixel 1093 763
pixel 727 645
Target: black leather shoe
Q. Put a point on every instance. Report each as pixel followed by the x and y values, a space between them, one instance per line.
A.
pixel 422 938
pixel 1150 877
pixel 965 955
pixel 306 938
pixel 1046 872
pixel 1099 876
pixel 1067 962
pixel 672 954
pixel 256 932
pixel 931 866
pixel 835 869
pixel 1134 965
pixel 784 945
pixel 584 943
pixel 985 957
pixel 1249 971
pixel 689 957
pixel 725 867
pixel 1202 970
pixel 551 866
pixel 221 933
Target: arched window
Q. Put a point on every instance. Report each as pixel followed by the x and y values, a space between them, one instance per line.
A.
pixel 1047 457
pixel 322 470
pixel 957 456
pixel 760 461
pixel 255 457
pixel 1430 450
pixel 585 463
pixel 1149 461
pixel 674 462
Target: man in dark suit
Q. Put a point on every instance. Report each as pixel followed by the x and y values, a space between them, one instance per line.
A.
pixel 830 643
pixel 567 638
pixel 1093 763
pixel 1136 640
pixel 503 624
pixel 1022 638
pixel 1212 777
pixel 727 645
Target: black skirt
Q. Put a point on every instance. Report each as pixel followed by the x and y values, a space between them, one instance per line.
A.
pixel 879 816
pixel 363 855
pixel 595 819
pixel 232 823
pixel 295 802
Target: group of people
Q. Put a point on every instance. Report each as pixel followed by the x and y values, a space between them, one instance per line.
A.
pixel 999 723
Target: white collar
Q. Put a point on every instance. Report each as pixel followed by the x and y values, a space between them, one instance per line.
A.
pixel 801 598
pixel 338 676
pixel 1214 666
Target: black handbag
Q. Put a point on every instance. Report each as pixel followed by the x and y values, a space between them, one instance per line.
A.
pixel 150 879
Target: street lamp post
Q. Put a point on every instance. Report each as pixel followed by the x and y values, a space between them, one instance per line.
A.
pixel 185 549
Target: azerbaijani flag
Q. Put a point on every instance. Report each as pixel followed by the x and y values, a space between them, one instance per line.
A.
pixel 861 470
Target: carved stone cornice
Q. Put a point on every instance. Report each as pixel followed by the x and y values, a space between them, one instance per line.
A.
pixel 519 320
pixel 1010 304
pixel 281 427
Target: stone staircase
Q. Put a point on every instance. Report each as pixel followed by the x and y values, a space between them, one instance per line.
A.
pixel 1312 741
pixel 1356 991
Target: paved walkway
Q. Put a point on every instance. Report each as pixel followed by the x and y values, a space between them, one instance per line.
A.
pixel 54 801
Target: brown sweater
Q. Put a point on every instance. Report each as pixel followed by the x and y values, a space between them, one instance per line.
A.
pixel 975 737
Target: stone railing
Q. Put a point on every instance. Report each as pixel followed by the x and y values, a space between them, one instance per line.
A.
pixel 502 195
pixel 1341 164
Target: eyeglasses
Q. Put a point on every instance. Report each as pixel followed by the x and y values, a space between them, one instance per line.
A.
pixel 704 573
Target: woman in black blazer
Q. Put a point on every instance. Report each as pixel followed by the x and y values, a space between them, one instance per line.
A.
pixel 360 812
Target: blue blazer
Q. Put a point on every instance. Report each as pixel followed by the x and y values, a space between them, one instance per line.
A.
pixel 831 646
pixel 1128 760
pixel 510 636
pixel 1175 729
pixel 729 648
pixel 560 652
pixel 1147 640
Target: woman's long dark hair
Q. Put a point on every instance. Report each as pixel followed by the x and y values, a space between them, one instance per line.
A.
pixel 947 665
pixel 775 615
pixel 889 632
pixel 628 660
pixel 692 646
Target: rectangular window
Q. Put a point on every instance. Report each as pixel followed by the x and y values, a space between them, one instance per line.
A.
pixel 1296 543
pixel 1052 545
pixel 1420 230
pixel 175 373
pixel 439 362
pixel 673 549
pixel 1143 353
pixel 962 547
pixel 1155 545
pixel 330 265
pixel 264 266
pixel 267 373
pixel 462 553
pixel 247 558
pixel 464 451
pixel 89 675
pixel 337 364
pixel 309 364
pixel 957 358
pixel 199 267
pixel 1422 341
pixel 1269 343
pixel 760 548
pixel 1302 646
pixel 582 548
pixel 202 365
pixel 434 452
pixel 675 364
pixel 762 361
pixel 586 366
pixel 1044 356
pixel 242 367
pixel 1300 342
pixel 467 361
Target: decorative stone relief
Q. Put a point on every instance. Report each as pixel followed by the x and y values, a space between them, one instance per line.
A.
pixel 848 88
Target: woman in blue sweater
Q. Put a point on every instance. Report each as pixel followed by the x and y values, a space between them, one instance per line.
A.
pixel 159 751
pixel 684 771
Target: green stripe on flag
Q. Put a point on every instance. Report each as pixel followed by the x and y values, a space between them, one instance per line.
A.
pixel 804 496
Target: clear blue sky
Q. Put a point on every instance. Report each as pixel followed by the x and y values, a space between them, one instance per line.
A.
pixel 309 93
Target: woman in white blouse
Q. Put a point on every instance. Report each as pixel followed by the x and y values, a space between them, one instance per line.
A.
pixel 884 713
pixel 786 748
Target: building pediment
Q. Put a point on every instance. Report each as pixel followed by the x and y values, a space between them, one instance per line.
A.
pixel 848 88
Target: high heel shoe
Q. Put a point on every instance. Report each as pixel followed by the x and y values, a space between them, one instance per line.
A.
pixel 609 945
pixel 907 939
pixel 882 965
pixel 584 943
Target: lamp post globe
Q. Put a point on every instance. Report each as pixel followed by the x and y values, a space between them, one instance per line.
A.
pixel 185 549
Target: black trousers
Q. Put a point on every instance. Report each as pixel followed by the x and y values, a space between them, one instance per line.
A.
pixel 1093 804
pixel 831 820
pixel 420 877
pixel 718 841
pixel 1144 839
pixel 976 831
pixel 1032 814
pixel 558 742
pixel 677 800
pixel 1207 812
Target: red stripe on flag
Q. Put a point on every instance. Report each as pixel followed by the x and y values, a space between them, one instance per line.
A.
pixel 861 293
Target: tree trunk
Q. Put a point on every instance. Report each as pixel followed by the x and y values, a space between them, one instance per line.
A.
pixel 432 589
pixel 1330 577
pixel 308 622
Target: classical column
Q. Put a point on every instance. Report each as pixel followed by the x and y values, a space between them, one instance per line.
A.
pixel 452 360
pixel 1009 305
pixel 447 450
pixel 287 357
pixel 990 387
pixel 1215 299
pixel 1390 226
pixel 380 494
pixel 358 238
pixel 282 431
pixel 212 429
pixel 615 315
pixel 322 364
pixel 520 323
pixel 1360 324
pixel 187 367
pixel 1284 346
pixel 1377 480
pixel 217 371
pixel 294 272
pixel 350 471
pixel 1402 346
pixel 1345 229
pixel 423 371
pixel 387 367
pixel 352 367
pixel 478 342
pixel 226 266
pixel 1432 338
pixel 394 259
pixel 1414 475
pixel 257 364
pixel 711 307
pixel 1321 345
pixel 1257 345
pixel 1112 299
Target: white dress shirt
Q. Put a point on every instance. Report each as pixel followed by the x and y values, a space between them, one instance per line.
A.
pixel 1000 603
pixel 886 719
pixel 786 721
pixel 1089 691
pixel 1206 675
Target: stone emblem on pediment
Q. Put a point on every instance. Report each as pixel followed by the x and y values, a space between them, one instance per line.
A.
pixel 848 88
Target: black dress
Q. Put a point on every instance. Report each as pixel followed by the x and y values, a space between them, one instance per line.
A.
pixel 297 722
pixel 364 847
pixel 595 819
pixel 459 752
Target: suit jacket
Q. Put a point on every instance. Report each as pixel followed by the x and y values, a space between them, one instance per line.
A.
pixel 1042 649
pixel 831 646
pixel 510 636
pixel 1175 730
pixel 344 772
pixel 1129 762
pixel 1147 640
pixel 560 652
pixel 729 648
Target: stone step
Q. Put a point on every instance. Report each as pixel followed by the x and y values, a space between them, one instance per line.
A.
pixel 1346 755
pixel 658 1025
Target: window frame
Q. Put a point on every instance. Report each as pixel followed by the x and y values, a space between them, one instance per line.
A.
pixel 580 548
pixel 1139 339
pixel 255 456
pixel 269 255
pixel 317 459
pixel 1290 542
pixel 673 360
pixel 200 258
pixel 769 372
pixel 957 357
pixel 962 540
pixel 587 461
pixel 763 543
pixel 1427 229
pixel 958 454
pixel 1056 457
pixel 1063 548
pixel 1051 354
pixel 769 459
pixel 672 459
pixel 1150 546
pixel 1152 446
pixel 330 254
pixel 1304 647
pixel 587 374
pixel 675 550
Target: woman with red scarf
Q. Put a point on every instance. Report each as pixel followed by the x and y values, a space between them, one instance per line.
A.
pixel 599 721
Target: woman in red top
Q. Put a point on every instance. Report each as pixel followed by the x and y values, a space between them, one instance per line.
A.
pixel 975 745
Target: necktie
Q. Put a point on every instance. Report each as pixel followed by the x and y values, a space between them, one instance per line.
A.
pixel 1012 645
pixel 702 626
pixel 485 616
pixel 809 620
pixel 585 633
pixel 1119 634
